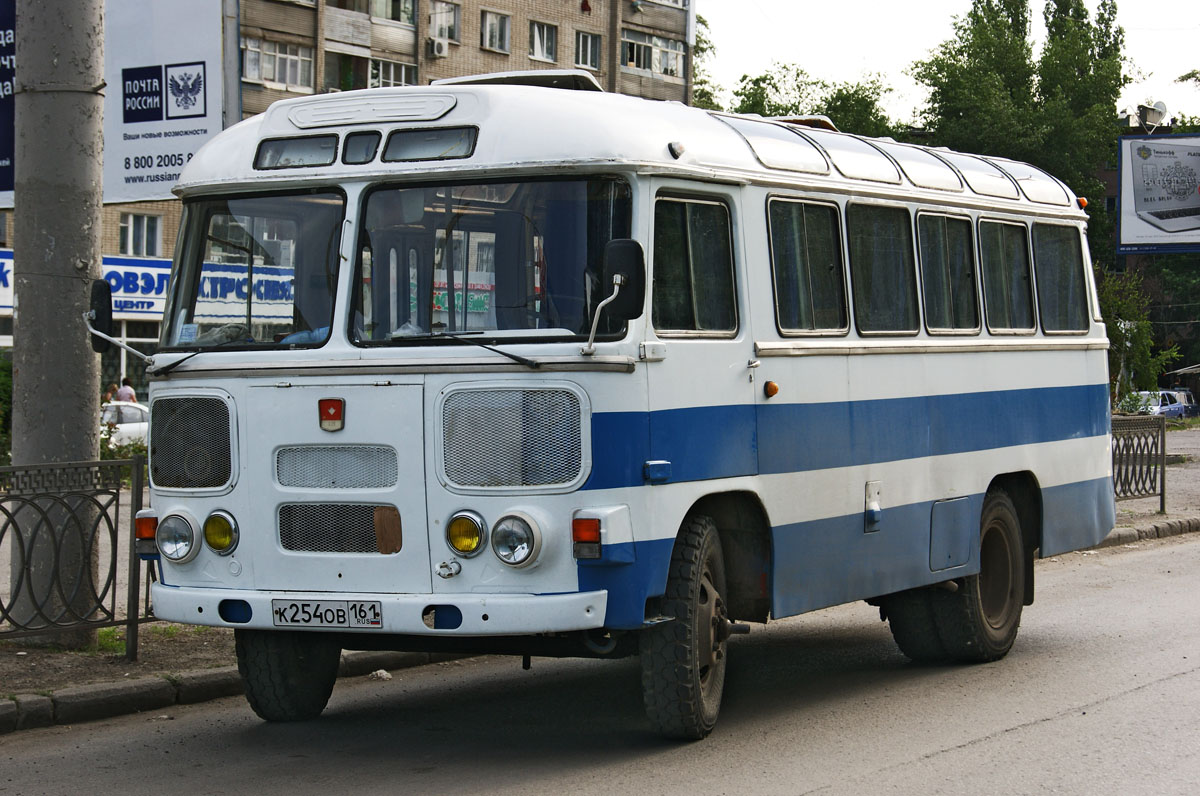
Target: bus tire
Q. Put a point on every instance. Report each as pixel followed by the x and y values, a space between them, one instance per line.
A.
pixel 979 622
pixel 288 675
pixel 683 660
pixel 914 626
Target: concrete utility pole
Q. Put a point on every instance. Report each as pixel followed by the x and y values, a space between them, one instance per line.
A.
pixel 59 148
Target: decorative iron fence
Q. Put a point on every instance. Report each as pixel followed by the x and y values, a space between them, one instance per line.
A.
pixel 1139 451
pixel 62 549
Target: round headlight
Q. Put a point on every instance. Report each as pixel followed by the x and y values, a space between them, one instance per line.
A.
pixel 515 540
pixel 466 533
pixel 176 539
pixel 221 532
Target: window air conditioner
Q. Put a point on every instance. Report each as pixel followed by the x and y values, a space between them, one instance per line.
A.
pixel 438 48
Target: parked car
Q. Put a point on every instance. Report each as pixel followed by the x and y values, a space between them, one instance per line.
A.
pixel 130 421
pixel 1161 402
pixel 1190 407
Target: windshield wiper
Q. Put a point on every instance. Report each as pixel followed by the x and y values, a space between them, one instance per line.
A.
pixel 170 366
pixel 462 338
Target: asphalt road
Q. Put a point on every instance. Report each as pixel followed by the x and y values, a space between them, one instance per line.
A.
pixel 1100 695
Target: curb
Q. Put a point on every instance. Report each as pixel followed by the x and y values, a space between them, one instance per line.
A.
pixel 106 700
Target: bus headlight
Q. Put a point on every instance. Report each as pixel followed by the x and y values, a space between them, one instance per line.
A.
pixel 176 539
pixel 466 533
pixel 221 533
pixel 516 539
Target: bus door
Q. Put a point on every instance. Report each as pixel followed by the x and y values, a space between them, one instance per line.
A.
pixel 702 422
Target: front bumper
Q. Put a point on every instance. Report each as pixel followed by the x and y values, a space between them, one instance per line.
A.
pixel 482 614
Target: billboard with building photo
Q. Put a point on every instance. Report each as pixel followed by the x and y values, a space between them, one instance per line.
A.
pixel 1159 194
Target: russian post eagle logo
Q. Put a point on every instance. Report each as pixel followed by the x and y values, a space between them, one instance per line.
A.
pixel 186 88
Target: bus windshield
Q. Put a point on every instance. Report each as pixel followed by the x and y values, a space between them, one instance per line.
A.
pixel 255 271
pixel 503 259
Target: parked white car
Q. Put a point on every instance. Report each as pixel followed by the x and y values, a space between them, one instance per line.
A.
pixel 131 421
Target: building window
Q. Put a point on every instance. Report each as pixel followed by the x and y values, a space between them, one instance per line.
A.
pixel 395 10
pixel 652 53
pixel 139 235
pixel 676 3
pixel 3 229
pixel 274 62
pixel 344 72
pixel 445 20
pixel 350 5
pixel 587 50
pixel 392 73
pixel 494 32
pixel 543 41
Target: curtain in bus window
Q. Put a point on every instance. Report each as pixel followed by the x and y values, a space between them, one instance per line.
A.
pixel 881 268
pixel 806 259
pixel 693 267
pixel 948 272
pixel 1058 260
pixel 1004 256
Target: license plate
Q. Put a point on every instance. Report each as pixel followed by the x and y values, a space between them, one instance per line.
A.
pixel 327 613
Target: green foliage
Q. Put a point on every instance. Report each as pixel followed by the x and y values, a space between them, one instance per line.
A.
pixel 112 450
pixel 988 95
pixel 787 90
pixel 704 90
pixel 1133 363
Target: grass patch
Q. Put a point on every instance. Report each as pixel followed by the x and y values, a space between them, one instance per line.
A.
pixel 110 641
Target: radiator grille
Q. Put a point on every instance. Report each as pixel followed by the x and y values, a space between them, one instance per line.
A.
pixel 336 466
pixel 337 527
pixel 512 438
pixel 190 443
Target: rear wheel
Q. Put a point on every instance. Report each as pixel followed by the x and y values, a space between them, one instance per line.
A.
pixel 683 660
pixel 979 622
pixel 288 675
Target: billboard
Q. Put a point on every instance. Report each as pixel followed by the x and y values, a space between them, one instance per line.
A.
pixel 162 64
pixel 1159 199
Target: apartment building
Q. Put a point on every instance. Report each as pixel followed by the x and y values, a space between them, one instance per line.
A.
pixel 291 48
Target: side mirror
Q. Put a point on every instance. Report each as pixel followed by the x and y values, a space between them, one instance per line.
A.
pixel 624 256
pixel 101 314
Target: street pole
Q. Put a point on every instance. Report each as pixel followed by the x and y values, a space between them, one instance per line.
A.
pixel 59 149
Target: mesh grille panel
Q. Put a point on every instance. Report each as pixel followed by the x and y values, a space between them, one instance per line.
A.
pixel 189 443
pixel 504 438
pixel 329 527
pixel 337 466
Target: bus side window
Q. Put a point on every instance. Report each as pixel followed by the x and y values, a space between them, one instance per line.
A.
pixel 948 273
pixel 693 267
pixel 806 262
pixel 1007 291
pixel 881 268
pixel 1062 294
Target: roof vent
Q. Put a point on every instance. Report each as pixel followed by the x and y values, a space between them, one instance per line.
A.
pixel 573 79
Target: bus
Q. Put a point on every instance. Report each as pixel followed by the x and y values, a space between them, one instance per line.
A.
pixel 513 365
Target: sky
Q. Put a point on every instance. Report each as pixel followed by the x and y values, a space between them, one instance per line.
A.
pixel 848 39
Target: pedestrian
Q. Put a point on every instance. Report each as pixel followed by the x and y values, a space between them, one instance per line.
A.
pixel 126 392
pixel 109 392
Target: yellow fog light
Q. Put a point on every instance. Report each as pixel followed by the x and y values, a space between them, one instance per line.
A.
pixel 221 532
pixel 466 533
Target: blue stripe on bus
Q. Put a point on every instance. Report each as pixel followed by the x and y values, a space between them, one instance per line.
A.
pixel 726 441
pixel 832 561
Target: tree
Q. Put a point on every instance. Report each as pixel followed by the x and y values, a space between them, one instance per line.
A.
pixel 787 90
pixel 704 90
pixel 982 82
pixel 1133 363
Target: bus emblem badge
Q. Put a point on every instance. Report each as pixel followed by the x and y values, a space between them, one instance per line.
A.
pixel 332 413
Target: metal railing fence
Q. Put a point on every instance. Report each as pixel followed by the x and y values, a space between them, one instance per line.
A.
pixel 62 548
pixel 1139 457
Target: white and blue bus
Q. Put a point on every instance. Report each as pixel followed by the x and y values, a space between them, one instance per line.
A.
pixel 492 366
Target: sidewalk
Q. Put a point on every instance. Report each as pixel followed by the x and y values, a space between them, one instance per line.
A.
pixel 1136 520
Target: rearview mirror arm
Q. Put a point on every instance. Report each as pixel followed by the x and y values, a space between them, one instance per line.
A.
pixel 590 348
pixel 90 316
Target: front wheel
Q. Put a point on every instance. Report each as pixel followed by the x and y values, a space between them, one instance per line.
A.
pixel 683 660
pixel 288 675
